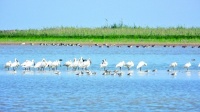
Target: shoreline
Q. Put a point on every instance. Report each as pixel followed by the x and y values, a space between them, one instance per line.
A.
pixel 101 44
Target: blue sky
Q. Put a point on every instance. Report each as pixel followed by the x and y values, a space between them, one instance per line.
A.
pixel 37 14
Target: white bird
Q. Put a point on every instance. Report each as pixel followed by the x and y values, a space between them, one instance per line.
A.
pixel 15 64
pixel 38 65
pixel 55 64
pixel 129 64
pixel 85 64
pixel 74 64
pixel 199 65
pixel 24 63
pixel 28 64
pixel 104 64
pixel 120 65
pixel 49 64
pixel 8 64
pixel 141 64
pixel 68 64
pixel 41 65
pixel 173 65
pixel 187 65
pixel 44 64
pixel 81 60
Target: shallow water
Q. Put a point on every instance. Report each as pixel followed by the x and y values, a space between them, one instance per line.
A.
pixel 46 91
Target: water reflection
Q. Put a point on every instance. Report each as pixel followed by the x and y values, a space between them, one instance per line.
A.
pixel 199 73
pixel 188 73
pixel 142 73
pixel 11 72
pixel 130 73
pixel 161 74
pixel 24 72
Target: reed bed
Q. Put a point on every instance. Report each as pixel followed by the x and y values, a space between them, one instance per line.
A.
pixel 102 35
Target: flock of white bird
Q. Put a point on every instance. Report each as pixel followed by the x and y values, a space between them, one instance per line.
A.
pixel 52 65
pixel 28 64
pixel 81 63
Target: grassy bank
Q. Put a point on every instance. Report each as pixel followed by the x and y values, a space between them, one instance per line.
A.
pixel 116 35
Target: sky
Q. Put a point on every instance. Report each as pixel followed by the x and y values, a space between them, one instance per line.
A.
pixel 38 14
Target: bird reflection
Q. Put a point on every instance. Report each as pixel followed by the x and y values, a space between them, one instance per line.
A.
pixel 188 73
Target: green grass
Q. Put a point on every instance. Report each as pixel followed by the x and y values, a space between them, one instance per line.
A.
pixel 117 35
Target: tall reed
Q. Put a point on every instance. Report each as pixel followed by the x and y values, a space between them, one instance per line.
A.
pixel 115 33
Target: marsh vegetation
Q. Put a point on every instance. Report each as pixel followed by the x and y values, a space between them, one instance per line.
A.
pixel 116 33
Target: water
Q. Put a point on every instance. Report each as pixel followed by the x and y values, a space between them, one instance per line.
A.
pixel 46 91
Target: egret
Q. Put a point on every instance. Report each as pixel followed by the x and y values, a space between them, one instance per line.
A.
pixel 120 64
pixel 187 65
pixel 68 64
pixel 74 64
pixel 55 64
pixel 141 64
pixel 104 64
pixel 8 64
pixel 28 64
pixel 173 65
pixel 49 64
pixel 41 65
pixel 129 64
pixel 15 64
pixel 85 64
